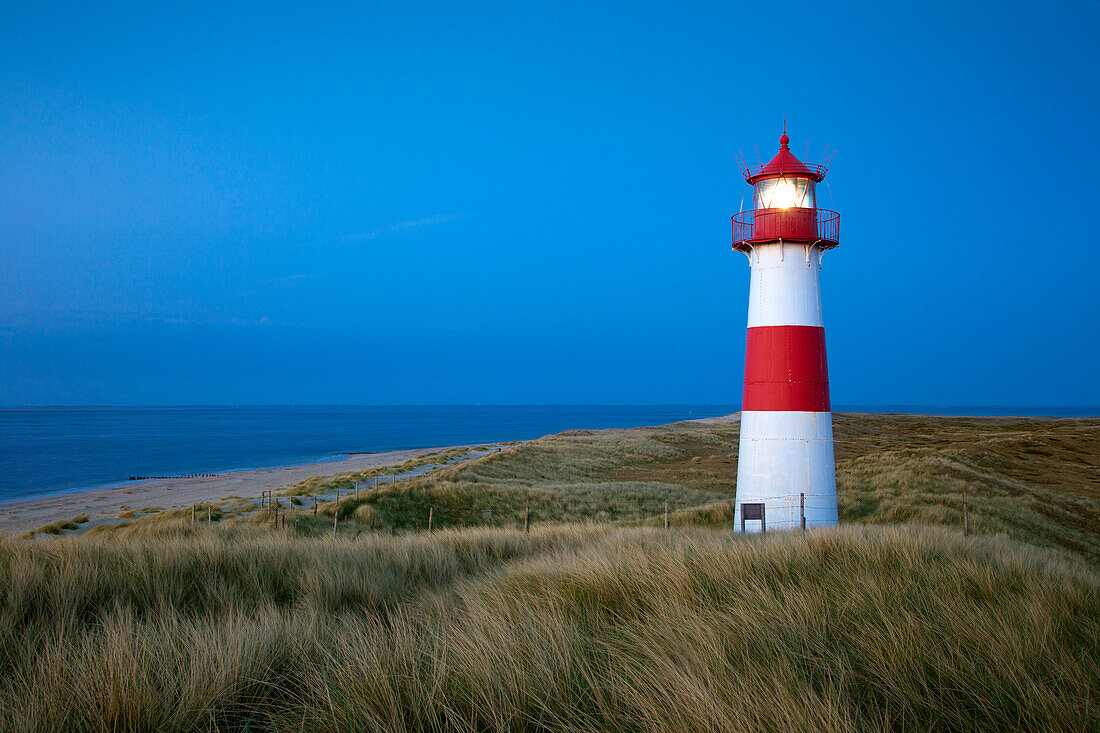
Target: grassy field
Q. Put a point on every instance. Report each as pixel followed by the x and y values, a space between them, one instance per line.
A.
pixel 593 621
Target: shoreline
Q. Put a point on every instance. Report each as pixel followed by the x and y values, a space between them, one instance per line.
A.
pixel 104 503
pixel 331 458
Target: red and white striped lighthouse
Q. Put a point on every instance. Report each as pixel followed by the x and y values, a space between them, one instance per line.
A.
pixel 786 476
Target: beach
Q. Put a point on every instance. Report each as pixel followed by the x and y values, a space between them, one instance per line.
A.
pixel 103 505
pixel 60 464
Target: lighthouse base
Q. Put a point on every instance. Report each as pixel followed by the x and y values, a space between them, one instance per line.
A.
pixel 785 462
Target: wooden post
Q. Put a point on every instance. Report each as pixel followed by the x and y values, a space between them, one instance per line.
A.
pixel 315 506
pixel 802 509
pixel 527 517
pixel 966 515
pixel 335 518
pixel 393 479
pixel 208 520
pixel 192 514
pixel 666 513
pixel 431 513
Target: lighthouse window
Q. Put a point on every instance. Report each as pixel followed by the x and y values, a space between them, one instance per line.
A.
pixel 785 193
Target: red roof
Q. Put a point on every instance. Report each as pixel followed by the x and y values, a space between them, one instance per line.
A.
pixel 785 164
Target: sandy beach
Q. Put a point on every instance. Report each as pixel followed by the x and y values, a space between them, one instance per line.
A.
pixel 103 505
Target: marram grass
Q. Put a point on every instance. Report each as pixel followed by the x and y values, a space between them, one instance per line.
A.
pixel 572 628
pixel 590 622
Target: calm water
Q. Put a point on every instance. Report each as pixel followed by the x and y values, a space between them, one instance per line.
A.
pixel 50 450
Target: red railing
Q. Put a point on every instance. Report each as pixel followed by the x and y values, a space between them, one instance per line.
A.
pixel 794 225
pixel 818 169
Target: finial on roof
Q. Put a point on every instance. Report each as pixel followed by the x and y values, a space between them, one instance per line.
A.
pixel 783 140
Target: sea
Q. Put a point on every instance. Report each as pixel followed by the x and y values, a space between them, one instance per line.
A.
pixel 55 450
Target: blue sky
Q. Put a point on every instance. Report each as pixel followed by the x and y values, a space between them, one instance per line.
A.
pixel 529 203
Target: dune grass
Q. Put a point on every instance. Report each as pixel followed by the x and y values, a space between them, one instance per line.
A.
pixel 1036 480
pixel 348 481
pixel 894 622
pixel 55 528
pixel 579 628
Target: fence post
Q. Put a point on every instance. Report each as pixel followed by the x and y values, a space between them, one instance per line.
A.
pixel 802 509
pixel 666 513
pixel 315 506
pixel 431 512
pixel 208 520
pixel 966 515
pixel 335 518
pixel 527 517
pixel 192 514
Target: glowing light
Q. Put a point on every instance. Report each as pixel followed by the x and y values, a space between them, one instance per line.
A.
pixel 785 193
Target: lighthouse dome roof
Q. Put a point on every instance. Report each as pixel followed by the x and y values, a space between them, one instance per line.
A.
pixel 785 163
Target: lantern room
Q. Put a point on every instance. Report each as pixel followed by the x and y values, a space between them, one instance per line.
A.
pixel 784 204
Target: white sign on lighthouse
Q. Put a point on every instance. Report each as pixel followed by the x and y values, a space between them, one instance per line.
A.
pixel 786 476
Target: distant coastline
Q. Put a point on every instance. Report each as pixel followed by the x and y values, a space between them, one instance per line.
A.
pixel 390 431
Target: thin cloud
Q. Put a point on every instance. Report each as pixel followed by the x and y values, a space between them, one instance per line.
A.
pixel 401 226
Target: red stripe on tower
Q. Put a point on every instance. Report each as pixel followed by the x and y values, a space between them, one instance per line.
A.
pixel 786 369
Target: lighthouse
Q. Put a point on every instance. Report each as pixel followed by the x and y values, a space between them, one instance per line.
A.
pixel 786 475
